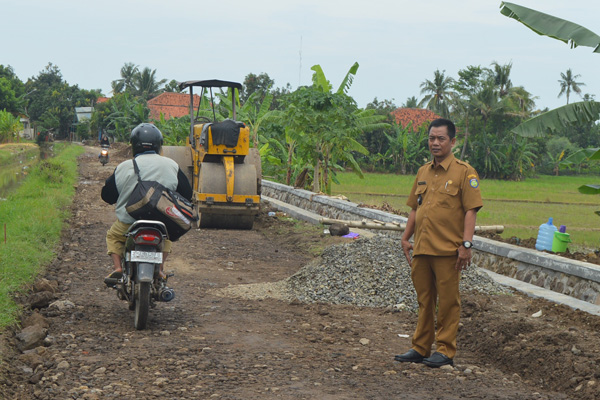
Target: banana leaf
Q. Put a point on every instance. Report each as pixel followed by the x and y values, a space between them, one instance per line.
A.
pixel 556 28
pixel 347 82
pixel 576 159
pixel 589 189
pixel 580 156
pixel 559 118
pixel 594 154
pixel 319 79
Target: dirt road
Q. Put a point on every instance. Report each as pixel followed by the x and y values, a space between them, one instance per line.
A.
pixel 203 346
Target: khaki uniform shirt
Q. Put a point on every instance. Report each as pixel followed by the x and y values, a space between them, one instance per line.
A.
pixel 442 195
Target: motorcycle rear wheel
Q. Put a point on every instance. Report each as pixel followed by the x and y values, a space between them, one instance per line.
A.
pixel 142 305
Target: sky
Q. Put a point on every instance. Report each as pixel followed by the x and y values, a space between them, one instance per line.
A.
pixel 397 43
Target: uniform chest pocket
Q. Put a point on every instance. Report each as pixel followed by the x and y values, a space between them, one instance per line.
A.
pixel 448 197
pixel 420 192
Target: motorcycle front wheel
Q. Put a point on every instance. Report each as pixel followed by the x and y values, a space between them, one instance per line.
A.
pixel 142 305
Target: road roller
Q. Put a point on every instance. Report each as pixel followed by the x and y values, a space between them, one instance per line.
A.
pixel 225 172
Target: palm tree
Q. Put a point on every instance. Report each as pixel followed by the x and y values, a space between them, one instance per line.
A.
pixel 519 103
pixel 567 83
pixel 438 93
pixel 501 77
pixel 128 73
pixel 485 103
pixel 145 84
pixel 411 102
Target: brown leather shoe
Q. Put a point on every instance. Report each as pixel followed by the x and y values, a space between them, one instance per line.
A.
pixel 437 360
pixel 410 356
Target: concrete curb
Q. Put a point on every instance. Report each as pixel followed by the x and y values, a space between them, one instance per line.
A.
pixel 539 292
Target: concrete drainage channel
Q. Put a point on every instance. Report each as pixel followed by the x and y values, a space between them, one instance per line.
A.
pixel 558 279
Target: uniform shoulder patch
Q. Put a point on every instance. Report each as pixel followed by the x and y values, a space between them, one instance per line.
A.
pixel 473 182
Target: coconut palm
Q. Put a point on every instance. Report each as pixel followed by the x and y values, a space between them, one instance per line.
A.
pixel 486 103
pixel 568 83
pixel 411 102
pixel 438 93
pixel 128 73
pixel 519 103
pixel 145 84
pixel 502 80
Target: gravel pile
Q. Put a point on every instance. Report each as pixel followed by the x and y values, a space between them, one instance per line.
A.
pixel 367 272
pixel 370 272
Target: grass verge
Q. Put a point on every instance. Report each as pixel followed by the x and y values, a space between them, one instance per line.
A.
pixel 33 216
pixel 10 152
pixel 520 206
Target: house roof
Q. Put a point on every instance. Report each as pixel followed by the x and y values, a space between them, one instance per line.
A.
pixel 171 105
pixel 418 117
pixel 102 100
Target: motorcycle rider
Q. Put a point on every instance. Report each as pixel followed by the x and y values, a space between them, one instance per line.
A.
pixel 104 140
pixel 146 141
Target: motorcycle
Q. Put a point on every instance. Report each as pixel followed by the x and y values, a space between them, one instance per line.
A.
pixel 141 285
pixel 103 155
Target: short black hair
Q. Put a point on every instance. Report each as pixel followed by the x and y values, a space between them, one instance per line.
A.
pixel 436 123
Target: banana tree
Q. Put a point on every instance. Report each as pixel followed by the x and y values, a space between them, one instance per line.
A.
pixel 568 32
pixel 320 81
pixel 9 126
pixel 587 111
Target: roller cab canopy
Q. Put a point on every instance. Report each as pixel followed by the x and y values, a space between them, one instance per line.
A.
pixel 210 83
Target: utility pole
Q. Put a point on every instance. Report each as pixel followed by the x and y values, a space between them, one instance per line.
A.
pixel 300 65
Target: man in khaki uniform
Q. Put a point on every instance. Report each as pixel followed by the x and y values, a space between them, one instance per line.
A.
pixel 444 200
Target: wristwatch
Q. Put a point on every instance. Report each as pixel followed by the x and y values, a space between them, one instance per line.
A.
pixel 467 245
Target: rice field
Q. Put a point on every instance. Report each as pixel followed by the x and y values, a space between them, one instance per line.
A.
pixel 519 206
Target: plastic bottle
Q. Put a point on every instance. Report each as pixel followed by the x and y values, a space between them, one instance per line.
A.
pixel 545 236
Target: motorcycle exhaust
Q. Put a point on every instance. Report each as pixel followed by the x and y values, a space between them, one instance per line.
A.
pixel 166 294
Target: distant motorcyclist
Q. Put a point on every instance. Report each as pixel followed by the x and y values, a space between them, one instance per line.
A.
pixel 146 141
pixel 104 140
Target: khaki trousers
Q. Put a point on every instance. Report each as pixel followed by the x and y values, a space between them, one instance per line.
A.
pixel 115 239
pixel 435 277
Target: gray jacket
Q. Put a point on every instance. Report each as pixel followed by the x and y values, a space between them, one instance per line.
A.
pixel 153 167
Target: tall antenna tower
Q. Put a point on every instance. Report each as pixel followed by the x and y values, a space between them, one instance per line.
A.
pixel 300 64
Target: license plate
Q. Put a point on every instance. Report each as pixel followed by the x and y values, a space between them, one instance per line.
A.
pixel 146 256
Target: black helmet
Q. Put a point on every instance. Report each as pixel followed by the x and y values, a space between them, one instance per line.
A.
pixel 145 137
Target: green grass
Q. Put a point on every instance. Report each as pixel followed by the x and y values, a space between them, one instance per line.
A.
pixel 33 216
pixel 519 206
pixel 9 151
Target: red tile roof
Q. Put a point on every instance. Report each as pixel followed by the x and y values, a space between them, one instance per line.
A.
pixel 171 105
pixel 418 117
pixel 102 100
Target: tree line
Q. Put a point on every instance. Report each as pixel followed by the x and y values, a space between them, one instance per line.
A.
pixel 307 135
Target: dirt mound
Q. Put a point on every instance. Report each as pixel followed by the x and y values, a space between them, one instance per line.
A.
pixel 121 150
